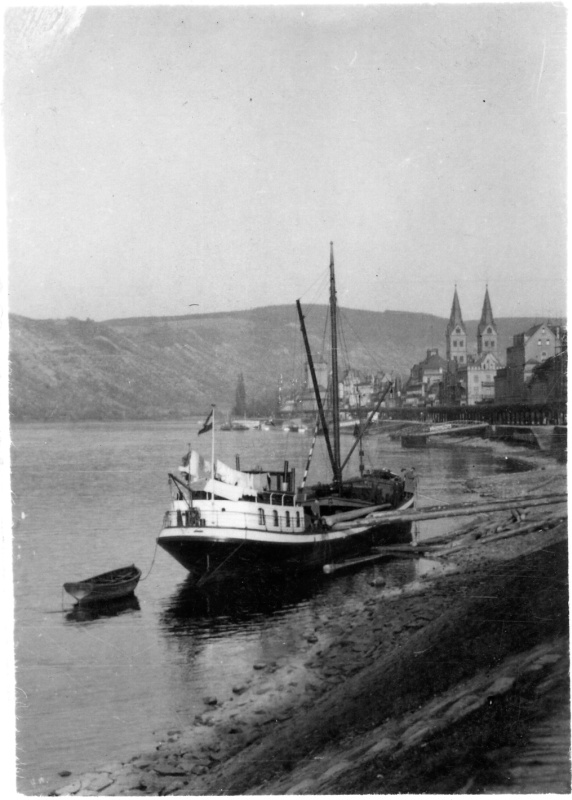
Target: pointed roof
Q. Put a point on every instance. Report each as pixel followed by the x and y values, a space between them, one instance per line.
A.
pixel 456 317
pixel 538 325
pixel 486 315
pixel 481 360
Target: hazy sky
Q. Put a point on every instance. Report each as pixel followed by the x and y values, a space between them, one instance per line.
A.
pixel 160 156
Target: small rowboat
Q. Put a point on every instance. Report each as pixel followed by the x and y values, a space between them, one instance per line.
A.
pixel 107 586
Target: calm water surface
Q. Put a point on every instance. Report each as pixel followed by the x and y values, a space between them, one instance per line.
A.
pixel 90 497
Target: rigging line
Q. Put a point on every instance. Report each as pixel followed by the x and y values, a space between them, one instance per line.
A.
pixel 318 287
pixel 363 344
pixel 345 349
pixel 152 562
pixel 311 453
pixel 319 290
pixel 325 335
pixel 201 581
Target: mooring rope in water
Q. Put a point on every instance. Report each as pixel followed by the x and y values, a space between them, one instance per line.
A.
pixel 152 562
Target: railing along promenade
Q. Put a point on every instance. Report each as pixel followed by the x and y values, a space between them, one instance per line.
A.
pixel 548 413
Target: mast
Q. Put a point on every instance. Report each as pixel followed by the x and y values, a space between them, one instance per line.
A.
pixel 212 451
pixel 335 383
pixel 315 385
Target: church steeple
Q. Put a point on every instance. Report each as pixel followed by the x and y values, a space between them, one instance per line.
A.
pixel 456 333
pixel 487 335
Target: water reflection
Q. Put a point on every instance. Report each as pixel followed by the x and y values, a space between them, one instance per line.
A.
pixel 252 606
pixel 239 604
pixel 112 608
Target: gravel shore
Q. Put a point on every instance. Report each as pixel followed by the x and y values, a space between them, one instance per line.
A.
pixel 442 686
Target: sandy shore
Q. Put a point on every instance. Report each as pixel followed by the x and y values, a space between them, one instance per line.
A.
pixel 438 687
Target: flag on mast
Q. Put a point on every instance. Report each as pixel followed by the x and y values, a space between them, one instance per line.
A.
pixel 208 424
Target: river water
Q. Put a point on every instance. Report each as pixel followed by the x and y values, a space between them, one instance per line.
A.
pixel 95 687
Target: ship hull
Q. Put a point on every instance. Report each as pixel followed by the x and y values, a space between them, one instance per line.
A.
pixel 218 555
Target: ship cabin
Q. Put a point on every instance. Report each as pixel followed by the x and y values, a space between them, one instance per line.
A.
pixel 269 503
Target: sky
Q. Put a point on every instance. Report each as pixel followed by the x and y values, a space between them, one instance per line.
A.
pixel 158 156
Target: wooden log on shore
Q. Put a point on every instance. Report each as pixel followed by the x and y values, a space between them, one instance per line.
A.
pixel 488 536
pixel 467 509
pixel 470 530
pixel 544 525
pixel 329 569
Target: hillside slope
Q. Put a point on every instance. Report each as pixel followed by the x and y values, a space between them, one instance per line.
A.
pixel 159 368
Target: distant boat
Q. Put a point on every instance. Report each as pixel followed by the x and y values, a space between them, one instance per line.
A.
pixel 107 586
pixel 417 436
pixel 268 425
pixel 294 426
pixel 240 425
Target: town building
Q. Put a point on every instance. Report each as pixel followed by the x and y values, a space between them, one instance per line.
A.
pixel 529 350
pixel 423 386
pixel 477 379
pixel 305 401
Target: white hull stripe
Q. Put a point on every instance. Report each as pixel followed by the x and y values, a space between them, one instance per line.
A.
pixel 242 535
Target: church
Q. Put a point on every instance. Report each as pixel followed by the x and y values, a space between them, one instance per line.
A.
pixel 463 377
pixel 471 376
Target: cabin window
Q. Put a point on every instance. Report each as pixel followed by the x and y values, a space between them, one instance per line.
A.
pixel 287 519
pixel 297 519
pixel 275 515
pixel 261 517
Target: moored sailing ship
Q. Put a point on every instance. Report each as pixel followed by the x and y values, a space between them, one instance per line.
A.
pixel 224 520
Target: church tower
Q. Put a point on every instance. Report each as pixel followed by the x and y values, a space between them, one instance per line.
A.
pixel 456 334
pixel 487 335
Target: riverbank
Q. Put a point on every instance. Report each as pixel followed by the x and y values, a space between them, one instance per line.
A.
pixel 433 687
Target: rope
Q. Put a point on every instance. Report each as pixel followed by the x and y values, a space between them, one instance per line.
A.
pixel 311 453
pixel 210 574
pixel 152 562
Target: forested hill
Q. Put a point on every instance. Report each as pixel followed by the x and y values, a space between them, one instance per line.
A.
pixel 168 367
